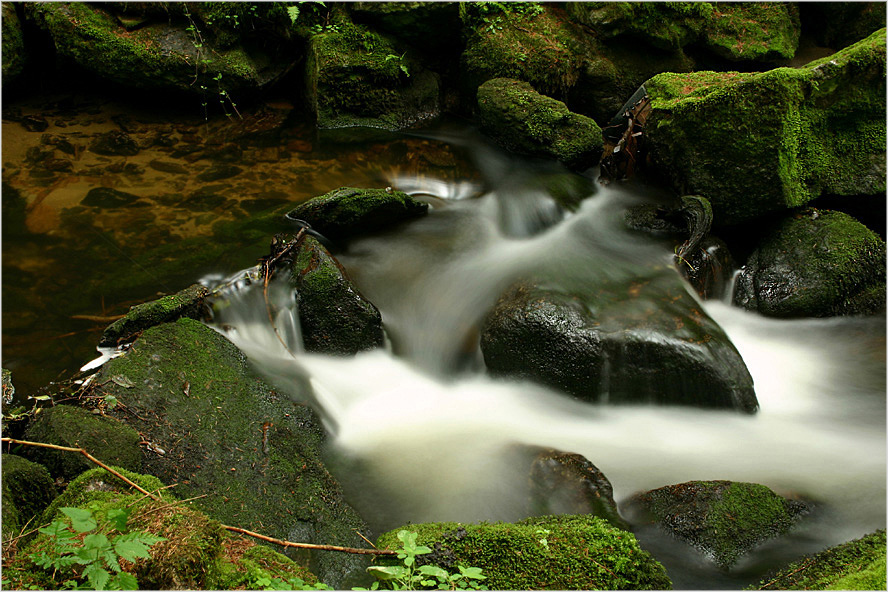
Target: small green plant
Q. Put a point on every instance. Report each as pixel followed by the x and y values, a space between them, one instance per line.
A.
pixel 291 583
pixel 544 534
pixel 401 63
pixel 410 577
pixel 85 555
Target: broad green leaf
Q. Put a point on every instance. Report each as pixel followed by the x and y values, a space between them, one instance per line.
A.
pixel 293 12
pixel 125 581
pixel 97 576
pixel 433 570
pixel 472 572
pixel 81 520
pixel 118 518
pixel 55 529
pixel 387 572
pixel 111 401
pixel 135 545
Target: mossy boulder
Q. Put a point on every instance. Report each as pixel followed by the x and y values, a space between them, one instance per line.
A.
pixel 814 263
pixel 428 27
pixel 27 490
pixel 644 340
pixel 855 565
pixel 567 483
pixel 197 552
pixel 335 318
pixel 543 553
pixel 164 53
pixel 349 211
pixel 524 121
pixel 214 428
pixel 723 519
pixel 356 77
pixel 186 303
pixel 755 143
pixel 13 44
pixel 106 438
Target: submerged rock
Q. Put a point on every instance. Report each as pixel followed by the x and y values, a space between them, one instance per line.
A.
pixel 335 317
pixel 642 341
pixel 723 519
pixel 524 121
pixel 566 483
pixel 855 565
pixel 544 553
pixel 349 211
pixel 356 77
pixel 107 439
pixel 186 303
pixel 814 263
pixel 762 142
pixel 216 429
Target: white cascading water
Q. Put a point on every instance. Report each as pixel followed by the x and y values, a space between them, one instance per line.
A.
pixel 422 434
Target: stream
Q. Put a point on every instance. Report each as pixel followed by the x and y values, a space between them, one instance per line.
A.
pixel 419 432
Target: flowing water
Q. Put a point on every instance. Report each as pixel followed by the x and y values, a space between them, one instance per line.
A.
pixel 418 431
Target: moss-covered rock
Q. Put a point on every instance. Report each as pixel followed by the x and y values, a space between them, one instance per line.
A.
pixel 13 44
pixel 567 483
pixel 356 77
pixel 723 519
pixel 186 303
pixel 814 263
pixel 855 565
pixel 27 490
pixel 427 26
pixel 168 53
pixel 216 429
pixel 105 438
pixel 543 553
pixel 245 565
pixel 348 211
pixel 641 341
pixel 747 31
pixel 759 142
pixel 524 121
pixel 334 316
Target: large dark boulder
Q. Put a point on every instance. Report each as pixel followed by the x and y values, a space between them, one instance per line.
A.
pixel 544 553
pixel 645 340
pixel 356 77
pixel 723 519
pixel 567 483
pixel 524 121
pixel 754 143
pixel 27 490
pixel 334 316
pixel 217 430
pixel 814 263
pixel 106 438
pixel 349 211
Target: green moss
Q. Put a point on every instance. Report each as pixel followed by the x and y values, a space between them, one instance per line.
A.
pixel 27 490
pixel 245 570
pixel 187 302
pixel 105 438
pixel 522 120
pixel 855 565
pixel 13 44
pixel 755 143
pixel 581 552
pixel 756 31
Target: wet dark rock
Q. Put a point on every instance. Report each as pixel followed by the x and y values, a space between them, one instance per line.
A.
pixel 524 121
pixel 59 142
pixel 349 211
pixel 114 143
pixel 335 317
pixel 855 565
pixel 27 490
pixel 219 172
pixel 756 143
pixel 66 425
pixel 225 153
pixel 252 455
pixel 35 155
pixel 106 197
pixel 58 165
pixel 34 123
pixel 186 303
pixel 164 166
pixel 644 340
pixel 723 519
pixel 656 220
pixel 709 268
pixel 814 263
pixel 356 77
pixel 566 483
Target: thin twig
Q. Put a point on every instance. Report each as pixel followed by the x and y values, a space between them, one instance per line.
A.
pixel 269 539
pixel 369 542
pixel 781 576
pixel 175 503
pixel 87 455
